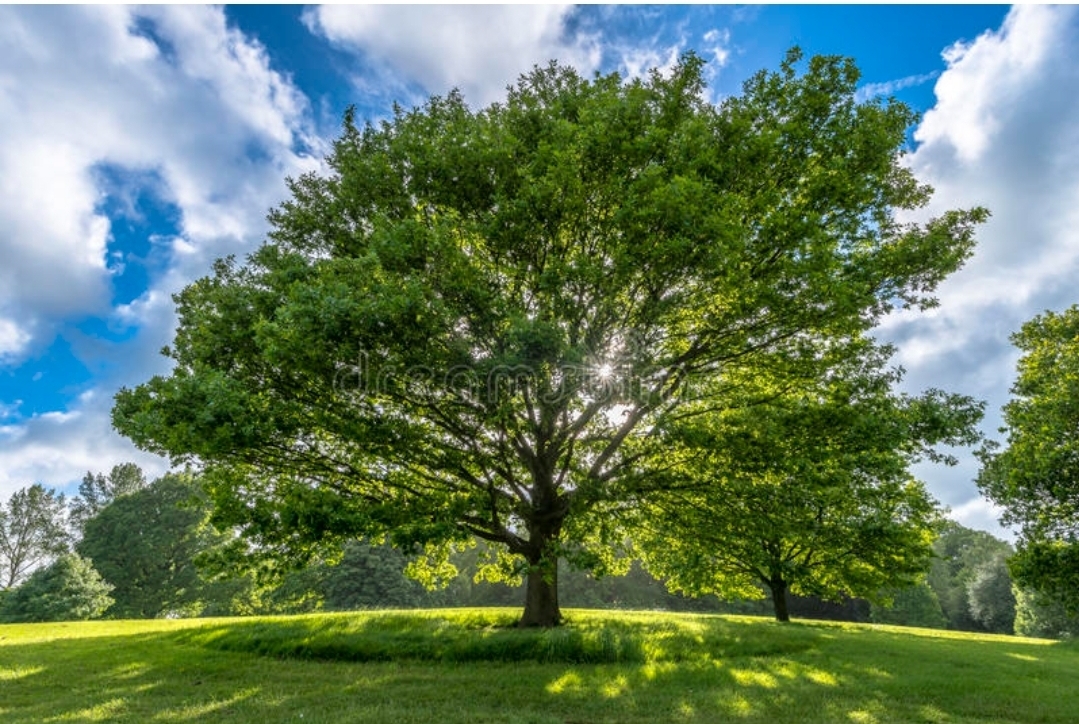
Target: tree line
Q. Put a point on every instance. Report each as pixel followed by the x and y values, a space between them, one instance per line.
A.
pixel 125 547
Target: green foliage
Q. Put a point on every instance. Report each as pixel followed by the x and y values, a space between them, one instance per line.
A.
pixel 990 597
pixel 1038 615
pixel 1035 475
pixel 1050 567
pixel 370 576
pixel 808 490
pixel 422 347
pixel 144 544
pixel 69 589
pixel 33 531
pixel 97 491
pixel 911 606
pixel 958 554
pixel 635 589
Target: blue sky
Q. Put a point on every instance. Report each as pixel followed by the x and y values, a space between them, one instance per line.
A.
pixel 139 144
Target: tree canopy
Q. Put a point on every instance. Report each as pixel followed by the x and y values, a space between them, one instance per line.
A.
pixel 97 491
pixel 1041 616
pixel 474 321
pixel 33 531
pixel 808 491
pixel 144 545
pixel 68 589
pixel 960 555
pixel 1034 477
pixel 990 597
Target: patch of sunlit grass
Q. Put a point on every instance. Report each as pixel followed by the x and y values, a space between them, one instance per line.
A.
pixel 19 672
pixel 464 666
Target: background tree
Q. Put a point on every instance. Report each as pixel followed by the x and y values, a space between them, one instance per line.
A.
pixel 990 598
pixel 915 605
pixel 1039 615
pixel 97 491
pixel 807 492
pixel 1034 477
pixel 33 531
pixel 144 545
pixel 370 576
pixel 455 333
pixel 68 589
pixel 958 554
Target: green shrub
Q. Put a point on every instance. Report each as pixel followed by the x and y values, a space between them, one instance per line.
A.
pixel 68 590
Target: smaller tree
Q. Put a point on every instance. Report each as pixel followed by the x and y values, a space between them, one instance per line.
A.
pixel 806 493
pixel 97 491
pixel 911 606
pixel 1034 477
pixel 1039 615
pixel 990 597
pixel 33 531
pixel 145 543
pixel 67 590
pixel 958 554
pixel 370 576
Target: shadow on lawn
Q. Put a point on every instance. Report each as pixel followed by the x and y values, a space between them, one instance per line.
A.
pixel 465 637
pixel 894 677
pixel 823 675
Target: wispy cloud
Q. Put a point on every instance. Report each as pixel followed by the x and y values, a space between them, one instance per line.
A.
pixel 875 90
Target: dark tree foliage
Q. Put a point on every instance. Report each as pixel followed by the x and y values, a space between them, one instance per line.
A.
pixel 1034 477
pixel 33 531
pixel 370 576
pixel 97 491
pixel 144 544
pixel 458 331
pixel 69 589
pixel 916 605
pixel 990 597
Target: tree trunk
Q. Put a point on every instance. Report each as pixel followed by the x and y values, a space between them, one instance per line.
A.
pixel 541 597
pixel 548 512
pixel 779 599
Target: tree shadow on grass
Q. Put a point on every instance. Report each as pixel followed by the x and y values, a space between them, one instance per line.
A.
pixel 474 637
pixel 859 675
pixel 753 673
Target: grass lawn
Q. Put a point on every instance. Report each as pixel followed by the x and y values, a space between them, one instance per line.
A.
pixel 469 666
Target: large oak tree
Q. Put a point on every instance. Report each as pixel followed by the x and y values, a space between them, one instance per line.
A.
pixel 470 325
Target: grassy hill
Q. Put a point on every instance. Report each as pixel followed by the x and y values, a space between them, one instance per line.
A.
pixel 470 665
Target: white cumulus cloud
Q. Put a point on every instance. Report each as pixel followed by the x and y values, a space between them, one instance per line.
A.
pixel 1004 134
pixel 479 49
pixel 172 95
pixel 58 448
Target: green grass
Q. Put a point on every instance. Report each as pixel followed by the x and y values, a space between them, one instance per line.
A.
pixel 472 666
